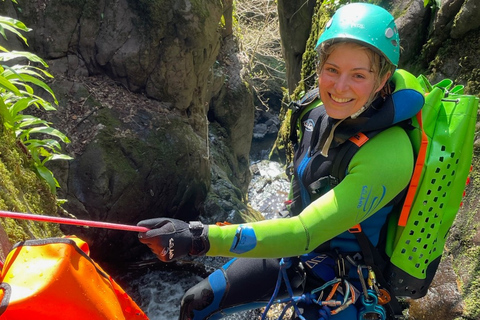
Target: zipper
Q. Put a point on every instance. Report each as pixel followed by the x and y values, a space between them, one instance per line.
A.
pixel 301 170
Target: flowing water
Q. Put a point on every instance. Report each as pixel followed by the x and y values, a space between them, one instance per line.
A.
pixel 158 289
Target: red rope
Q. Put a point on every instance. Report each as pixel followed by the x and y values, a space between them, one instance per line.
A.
pixel 77 222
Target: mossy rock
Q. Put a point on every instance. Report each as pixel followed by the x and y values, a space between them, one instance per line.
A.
pixel 21 190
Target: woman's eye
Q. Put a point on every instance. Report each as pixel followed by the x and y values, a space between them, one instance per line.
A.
pixel 332 70
pixel 359 76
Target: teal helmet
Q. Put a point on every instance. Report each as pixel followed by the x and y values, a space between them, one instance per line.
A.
pixel 368 24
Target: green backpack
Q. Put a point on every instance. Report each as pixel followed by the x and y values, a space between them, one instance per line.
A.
pixel 442 135
pixel 416 235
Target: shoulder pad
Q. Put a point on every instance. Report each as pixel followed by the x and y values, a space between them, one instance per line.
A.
pixel 309 97
pixel 405 80
pixel 408 97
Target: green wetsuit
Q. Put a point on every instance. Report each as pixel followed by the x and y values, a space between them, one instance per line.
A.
pixel 376 174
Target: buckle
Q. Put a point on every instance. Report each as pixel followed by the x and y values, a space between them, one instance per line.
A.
pixel 196 228
pixel 355 229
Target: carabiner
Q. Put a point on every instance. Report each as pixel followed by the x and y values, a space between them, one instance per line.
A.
pixel 371 310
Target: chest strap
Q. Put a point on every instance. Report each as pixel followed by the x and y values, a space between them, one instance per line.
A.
pixel 341 161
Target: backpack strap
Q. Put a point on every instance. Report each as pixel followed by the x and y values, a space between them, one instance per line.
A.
pixel 347 151
pixel 342 159
pixel 298 108
pixel 417 174
pixel 373 259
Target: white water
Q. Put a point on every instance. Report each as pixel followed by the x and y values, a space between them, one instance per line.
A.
pixel 161 292
pixel 158 293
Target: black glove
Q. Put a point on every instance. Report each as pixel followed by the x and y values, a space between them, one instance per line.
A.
pixel 172 239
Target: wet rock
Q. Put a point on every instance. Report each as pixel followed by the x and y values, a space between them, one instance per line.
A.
pixel 443 299
pixel 269 188
pixel 466 19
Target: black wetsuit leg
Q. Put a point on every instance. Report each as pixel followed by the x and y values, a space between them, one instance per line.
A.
pixel 241 284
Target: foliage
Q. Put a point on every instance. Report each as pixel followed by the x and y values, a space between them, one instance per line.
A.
pixel 433 3
pixel 258 29
pixel 17 83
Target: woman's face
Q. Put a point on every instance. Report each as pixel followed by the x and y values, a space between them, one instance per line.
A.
pixel 346 80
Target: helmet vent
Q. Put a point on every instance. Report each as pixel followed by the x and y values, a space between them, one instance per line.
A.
pixel 389 33
pixel 329 23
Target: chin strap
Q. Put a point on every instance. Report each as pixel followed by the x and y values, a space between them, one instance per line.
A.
pixel 328 141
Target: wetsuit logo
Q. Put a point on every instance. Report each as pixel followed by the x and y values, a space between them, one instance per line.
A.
pixel 368 202
pixel 308 124
pixel 311 263
pixel 169 250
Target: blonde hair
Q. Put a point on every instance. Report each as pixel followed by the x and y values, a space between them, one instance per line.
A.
pixel 379 64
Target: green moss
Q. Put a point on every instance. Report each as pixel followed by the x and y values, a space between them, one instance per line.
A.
pixel 397 12
pixel 282 149
pixel 200 9
pixel 463 245
pixel 471 290
pixel 251 215
pixel 321 16
pixel 457 52
pixel 22 191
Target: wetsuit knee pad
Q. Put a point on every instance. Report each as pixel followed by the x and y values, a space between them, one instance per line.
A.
pixel 202 300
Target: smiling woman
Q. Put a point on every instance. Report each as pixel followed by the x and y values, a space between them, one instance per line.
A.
pixel 347 80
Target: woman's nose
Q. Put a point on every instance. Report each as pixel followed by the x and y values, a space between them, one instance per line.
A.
pixel 341 83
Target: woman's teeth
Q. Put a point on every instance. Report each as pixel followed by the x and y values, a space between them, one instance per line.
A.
pixel 339 100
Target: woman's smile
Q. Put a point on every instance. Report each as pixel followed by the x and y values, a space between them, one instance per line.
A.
pixel 340 100
pixel 346 80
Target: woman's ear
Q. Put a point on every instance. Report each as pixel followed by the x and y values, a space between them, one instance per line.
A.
pixel 383 81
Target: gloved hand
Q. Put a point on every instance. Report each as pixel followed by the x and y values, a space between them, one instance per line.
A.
pixel 172 239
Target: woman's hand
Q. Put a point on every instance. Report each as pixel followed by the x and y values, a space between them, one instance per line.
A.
pixel 173 239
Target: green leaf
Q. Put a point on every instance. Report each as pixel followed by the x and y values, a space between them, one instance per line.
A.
pixel 7 56
pixel 17 83
pixel 12 30
pixel 29 78
pixel 50 131
pixel 54 145
pixel 21 105
pixel 24 77
pixel 23 121
pixel 47 175
pixel 14 23
pixel 61 156
pixel 7 85
pixel 5 114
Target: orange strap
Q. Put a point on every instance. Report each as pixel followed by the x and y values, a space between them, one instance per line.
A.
pixel 359 139
pixel 355 229
pixel 221 224
pixel 417 173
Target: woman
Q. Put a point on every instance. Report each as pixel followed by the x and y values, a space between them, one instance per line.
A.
pixel 358 53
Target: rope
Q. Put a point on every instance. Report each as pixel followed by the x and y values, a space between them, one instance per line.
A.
pixel 327 306
pixel 291 301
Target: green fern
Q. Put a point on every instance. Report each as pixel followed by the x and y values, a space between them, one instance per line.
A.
pixel 17 95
